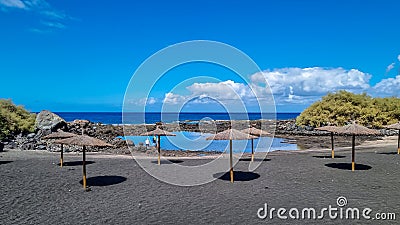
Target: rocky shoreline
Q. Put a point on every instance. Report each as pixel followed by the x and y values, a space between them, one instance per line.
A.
pixel 48 122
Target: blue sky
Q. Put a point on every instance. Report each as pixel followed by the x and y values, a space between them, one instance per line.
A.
pixel 80 55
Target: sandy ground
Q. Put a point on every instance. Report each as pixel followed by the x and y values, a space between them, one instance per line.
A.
pixel 35 190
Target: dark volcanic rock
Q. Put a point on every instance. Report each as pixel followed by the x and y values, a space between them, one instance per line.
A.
pixel 48 122
pixel 41 147
pixel 31 135
pixel 10 145
pixel 105 132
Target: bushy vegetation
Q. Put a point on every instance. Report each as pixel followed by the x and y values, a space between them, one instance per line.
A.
pixel 342 107
pixel 14 119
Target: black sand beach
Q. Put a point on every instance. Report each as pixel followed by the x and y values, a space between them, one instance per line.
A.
pixel 35 190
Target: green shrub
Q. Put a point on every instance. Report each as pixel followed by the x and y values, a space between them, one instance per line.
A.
pixel 342 107
pixel 14 119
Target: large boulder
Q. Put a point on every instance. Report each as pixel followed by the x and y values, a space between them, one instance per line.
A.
pixel 80 123
pixel 48 122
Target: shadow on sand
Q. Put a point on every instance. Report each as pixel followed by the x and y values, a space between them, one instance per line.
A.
pixel 347 166
pixel 237 176
pixel 104 180
pixel 171 161
pixel 328 156
pixel 388 153
pixel 5 162
pixel 255 160
pixel 76 163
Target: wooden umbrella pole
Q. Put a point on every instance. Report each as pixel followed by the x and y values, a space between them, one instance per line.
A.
pixel 333 151
pixel 398 144
pixel 159 150
pixel 353 165
pixel 252 150
pixel 62 156
pixel 230 159
pixel 84 167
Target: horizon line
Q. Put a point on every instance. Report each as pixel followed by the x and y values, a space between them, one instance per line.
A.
pixel 156 112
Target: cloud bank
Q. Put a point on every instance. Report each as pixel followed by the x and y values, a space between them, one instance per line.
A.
pixel 289 86
pixel 302 85
pixel 387 87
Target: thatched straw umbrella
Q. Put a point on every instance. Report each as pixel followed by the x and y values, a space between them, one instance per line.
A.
pixel 330 129
pixel 355 129
pixel 231 134
pixel 60 135
pixel 158 132
pixel 83 140
pixel 396 126
pixel 256 132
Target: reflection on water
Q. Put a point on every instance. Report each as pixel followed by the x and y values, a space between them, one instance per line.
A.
pixel 195 141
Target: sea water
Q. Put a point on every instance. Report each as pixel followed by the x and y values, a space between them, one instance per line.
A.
pixel 153 117
pixel 189 140
pixel 196 141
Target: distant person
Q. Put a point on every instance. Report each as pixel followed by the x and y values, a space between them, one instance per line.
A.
pixel 154 140
pixel 147 142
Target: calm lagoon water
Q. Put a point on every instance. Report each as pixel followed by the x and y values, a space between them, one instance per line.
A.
pixel 194 141
pixel 190 140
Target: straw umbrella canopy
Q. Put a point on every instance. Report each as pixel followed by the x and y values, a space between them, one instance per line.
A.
pixel 84 140
pixel 60 135
pixel 396 126
pixel 355 129
pixel 331 129
pixel 256 132
pixel 231 134
pixel 158 132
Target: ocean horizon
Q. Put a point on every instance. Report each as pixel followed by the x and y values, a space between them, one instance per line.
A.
pixel 167 117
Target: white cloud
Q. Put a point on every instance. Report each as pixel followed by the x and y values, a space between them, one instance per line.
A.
pixel 13 4
pixel 151 101
pixel 202 100
pixel 53 16
pixel 313 81
pixel 34 5
pixel 387 87
pixel 173 99
pixel 289 86
pixel 53 24
pixel 291 93
pixel 398 58
pixel 390 67
pixel 37 4
pixel 143 101
pixel 226 90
